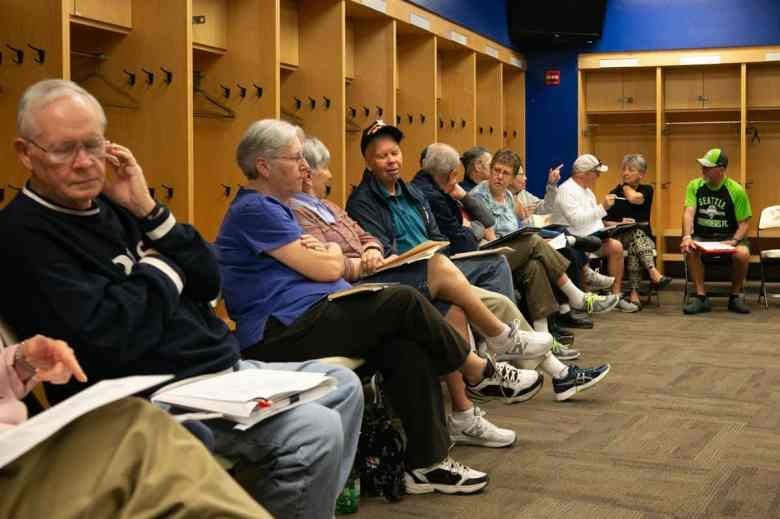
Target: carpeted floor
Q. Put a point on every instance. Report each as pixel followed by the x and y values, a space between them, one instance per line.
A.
pixel 687 424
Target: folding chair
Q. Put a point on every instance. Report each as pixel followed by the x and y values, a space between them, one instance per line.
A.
pixel 709 260
pixel 770 219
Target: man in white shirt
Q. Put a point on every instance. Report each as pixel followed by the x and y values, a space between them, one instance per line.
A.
pixel 577 209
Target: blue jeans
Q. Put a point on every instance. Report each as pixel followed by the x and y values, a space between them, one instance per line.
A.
pixel 490 273
pixel 296 463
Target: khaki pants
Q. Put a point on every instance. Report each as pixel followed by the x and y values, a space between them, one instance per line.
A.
pixel 538 267
pixel 125 460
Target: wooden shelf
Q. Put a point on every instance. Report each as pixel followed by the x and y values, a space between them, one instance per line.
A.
pixel 103 26
pixel 208 49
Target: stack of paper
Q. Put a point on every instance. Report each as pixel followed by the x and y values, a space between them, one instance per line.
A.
pixel 247 396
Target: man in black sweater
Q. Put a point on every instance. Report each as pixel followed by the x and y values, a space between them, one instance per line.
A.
pixel 97 262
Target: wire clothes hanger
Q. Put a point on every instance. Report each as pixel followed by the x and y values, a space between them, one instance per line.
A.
pixel 99 85
pixel 211 108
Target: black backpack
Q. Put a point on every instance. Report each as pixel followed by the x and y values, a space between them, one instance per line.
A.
pixel 381 449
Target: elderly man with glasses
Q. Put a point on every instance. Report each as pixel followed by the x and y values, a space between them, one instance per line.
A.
pixel 92 259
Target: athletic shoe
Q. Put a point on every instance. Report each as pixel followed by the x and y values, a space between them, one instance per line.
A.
pixel 596 304
pixel 447 477
pixel 574 319
pixel 737 304
pixel 626 306
pixel 507 382
pixel 662 283
pixel 478 431
pixel 578 380
pixel 597 281
pixel 523 344
pixel 584 243
pixel 697 306
pixel 564 353
pixel 565 339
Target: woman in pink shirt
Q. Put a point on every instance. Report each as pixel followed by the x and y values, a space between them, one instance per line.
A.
pixel 121 460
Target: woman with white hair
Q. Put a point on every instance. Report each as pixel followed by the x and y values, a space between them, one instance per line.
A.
pixel 633 203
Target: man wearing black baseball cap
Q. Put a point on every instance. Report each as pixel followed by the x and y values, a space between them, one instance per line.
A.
pixel 717 209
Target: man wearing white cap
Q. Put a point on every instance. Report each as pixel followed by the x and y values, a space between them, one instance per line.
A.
pixel 577 209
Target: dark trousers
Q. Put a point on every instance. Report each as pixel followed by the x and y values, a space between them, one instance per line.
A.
pixel 400 334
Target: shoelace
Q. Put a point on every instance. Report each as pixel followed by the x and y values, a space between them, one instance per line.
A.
pixel 557 347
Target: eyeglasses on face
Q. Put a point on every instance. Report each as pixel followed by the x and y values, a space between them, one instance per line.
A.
pixel 298 157
pixel 65 152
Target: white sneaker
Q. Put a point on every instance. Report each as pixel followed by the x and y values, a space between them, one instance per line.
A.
pixel 597 281
pixel 448 477
pixel 478 431
pixel 624 305
pixel 523 344
pixel 508 382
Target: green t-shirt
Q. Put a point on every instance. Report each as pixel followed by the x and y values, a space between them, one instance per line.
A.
pixel 718 209
pixel 408 222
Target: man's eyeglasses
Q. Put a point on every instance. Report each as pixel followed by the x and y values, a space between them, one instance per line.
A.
pixel 65 152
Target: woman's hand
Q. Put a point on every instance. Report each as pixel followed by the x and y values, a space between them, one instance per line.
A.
pixel 370 260
pixel 310 242
pixel 52 360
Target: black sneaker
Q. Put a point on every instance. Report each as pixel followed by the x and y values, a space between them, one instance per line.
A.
pixel 578 380
pixel 447 477
pixel 584 243
pixel 698 306
pixel 574 319
pixel 737 304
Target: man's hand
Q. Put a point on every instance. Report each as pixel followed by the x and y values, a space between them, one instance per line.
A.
pixel 457 192
pixel 609 201
pixel 310 242
pixel 490 234
pixel 370 260
pixel 127 186
pixel 687 245
pixel 53 361
pixel 521 211
pixel 554 175
pixel 732 243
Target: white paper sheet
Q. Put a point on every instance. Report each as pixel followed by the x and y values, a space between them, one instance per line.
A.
pixel 21 438
pixel 558 242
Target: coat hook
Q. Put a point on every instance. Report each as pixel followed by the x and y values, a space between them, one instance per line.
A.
pixel 422 118
pixel 452 123
pixel 258 89
pixel 151 193
pixel 226 189
pixel 130 77
pixel 225 91
pixel 410 117
pixel 312 103
pixel 366 111
pixel 352 112
pixel 505 134
pixel 2 194
pixel 380 111
pixel 298 103
pixel 18 56
pixel 40 54
pixel 481 130
pixel 326 101
pixel 397 119
pixel 149 76
pixel 441 122
pixel 514 133
pixel 463 123
pixel 15 188
pixel 1 57
pixel 490 130
pixel 168 191
pixel 241 91
pixel 168 76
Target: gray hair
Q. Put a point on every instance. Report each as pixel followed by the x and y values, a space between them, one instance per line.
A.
pixel 315 153
pixel 440 159
pixel 262 139
pixel 42 93
pixel 471 156
pixel 634 161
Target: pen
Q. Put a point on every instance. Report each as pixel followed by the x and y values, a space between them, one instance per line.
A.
pixel 619 198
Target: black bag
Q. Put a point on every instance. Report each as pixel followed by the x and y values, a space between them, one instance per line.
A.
pixel 381 449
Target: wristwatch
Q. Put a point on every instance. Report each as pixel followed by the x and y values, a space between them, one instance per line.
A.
pixel 23 368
